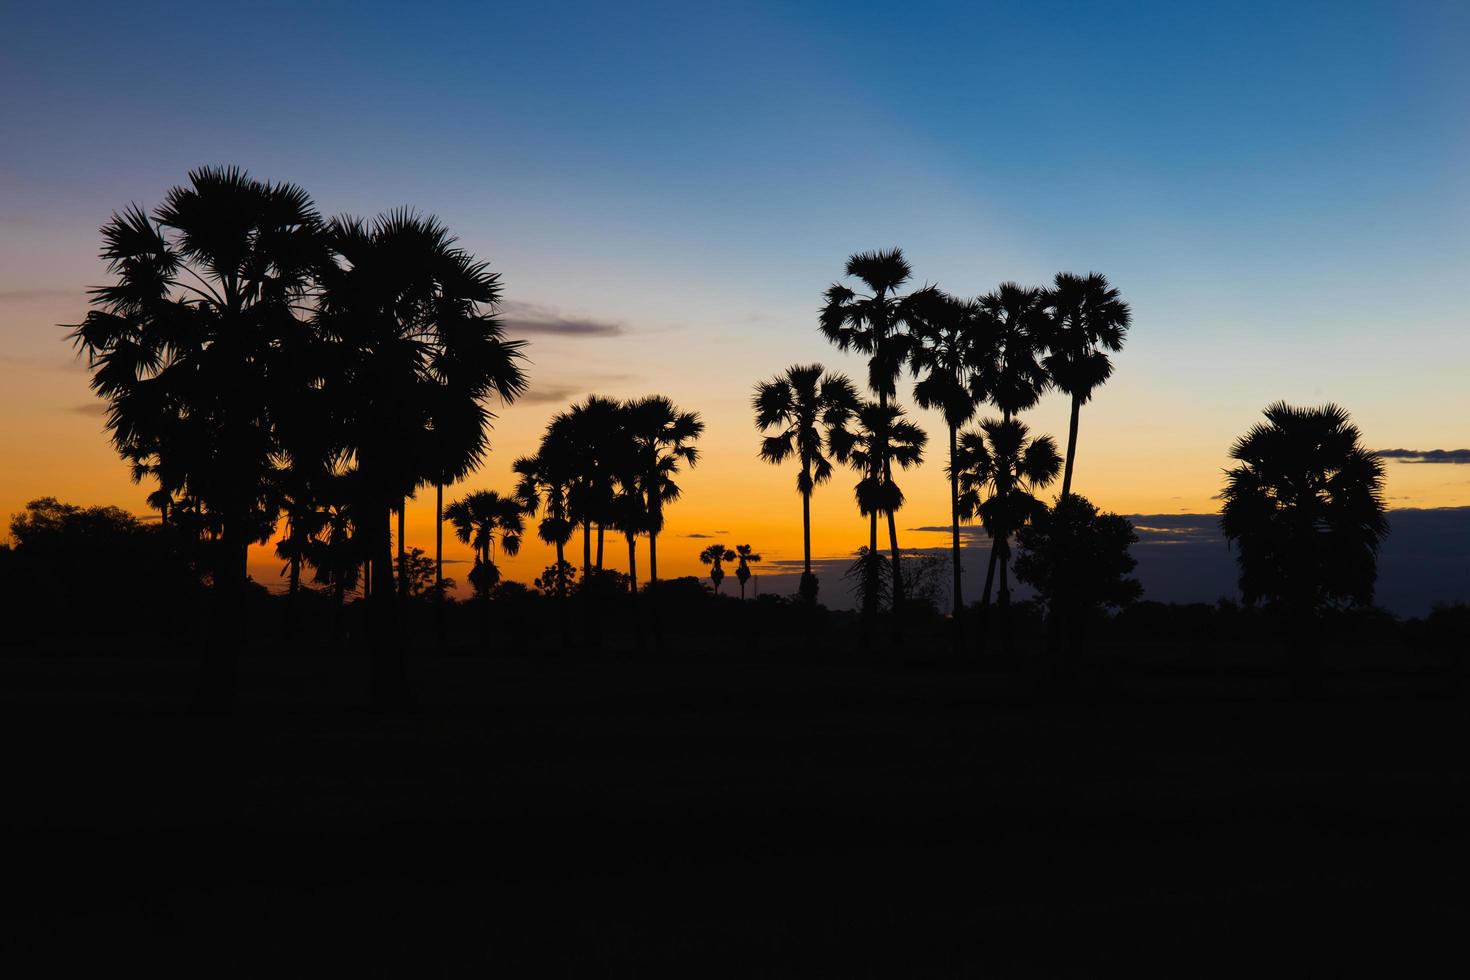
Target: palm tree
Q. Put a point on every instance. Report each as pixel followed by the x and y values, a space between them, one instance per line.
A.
pixel 1305 507
pixel 481 520
pixel 800 404
pixel 663 439
pixel 872 323
pixel 742 571
pixel 592 437
pixel 1001 469
pixel 1087 319
pixel 545 483
pixel 881 437
pixel 1011 375
pixel 715 556
pixel 412 320
pixel 184 347
pixel 951 337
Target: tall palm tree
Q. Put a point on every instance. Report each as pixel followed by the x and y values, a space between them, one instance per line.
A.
pixel 1305 506
pixel 880 438
pixel 715 557
pixel 184 347
pixel 951 339
pixel 1011 375
pixel 742 571
pixel 804 405
pixel 1087 320
pixel 593 435
pixel 1001 469
pixel 663 440
pixel 544 487
pixel 481 520
pixel 412 318
pixel 872 323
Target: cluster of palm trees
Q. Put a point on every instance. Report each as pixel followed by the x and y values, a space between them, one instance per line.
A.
pixel 1006 348
pixel 258 360
pixel 715 557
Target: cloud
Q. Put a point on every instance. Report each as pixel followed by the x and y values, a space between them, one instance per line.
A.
pixel 532 318
pixel 1427 455
pixel 97 408
pixel 549 393
pixel 699 535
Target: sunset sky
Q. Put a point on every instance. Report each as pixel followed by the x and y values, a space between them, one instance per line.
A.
pixel 1281 191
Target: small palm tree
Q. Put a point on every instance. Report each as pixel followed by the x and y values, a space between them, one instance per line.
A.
pixel 742 571
pixel 545 485
pixel 481 520
pixel 805 406
pixel 1305 506
pixel 880 439
pixel 715 557
pixel 1001 469
pixel 1087 320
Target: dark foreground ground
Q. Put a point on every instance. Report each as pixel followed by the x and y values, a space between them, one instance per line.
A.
pixel 584 819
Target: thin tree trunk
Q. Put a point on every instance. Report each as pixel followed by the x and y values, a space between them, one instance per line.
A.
pixel 586 550
pixel 1071 445
pixel 957 601
pixel 390 676
pixel 982 626
pixel 600 531
pixel 633 591
pixel 1004 604
pixel 439 627
pixel 808 581
pixel 652 558
pixel 870 576
pixel 402 550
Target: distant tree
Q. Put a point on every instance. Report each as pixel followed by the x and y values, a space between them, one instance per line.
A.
pixel 715 557
pixel 880 439
pixel 804 406
pixel 421 575
pixel 1001 470
pixel 482 520
pixel 871 578
pixel 663 441
pixel 186 348
pixel 873 323
pixel 557 580
pixel 1305 508
pixel 545 487
pixel 1087 320
pixel 1077 560
pixel 746 557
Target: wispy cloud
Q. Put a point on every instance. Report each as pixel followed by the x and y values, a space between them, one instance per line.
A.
pixel 532 318
pixel 96 408
pixel 699 535
pixel 1427 455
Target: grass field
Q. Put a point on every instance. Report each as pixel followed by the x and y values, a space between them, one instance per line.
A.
pixel 585 818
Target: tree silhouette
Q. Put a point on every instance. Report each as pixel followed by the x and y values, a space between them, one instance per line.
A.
pixel 952 338
pixel 1000 471
pixel 742 571
pixel 662 440
pixel 1305 507
pixel 715 557
pixel 804 406
pixel 881 437
pixel 418 349
pixel 591 439
pixel 481 520
pixel 185 345
pixel 545 487
pixel 873 323
pixel 1087 320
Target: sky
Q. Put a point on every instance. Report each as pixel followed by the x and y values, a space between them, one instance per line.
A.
pixel 1279 190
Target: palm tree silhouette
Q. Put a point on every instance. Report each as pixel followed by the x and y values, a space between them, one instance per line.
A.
pixel 419 348
pixel 715 556
pixel 1087 319
pixel 184 347
pixel 1000 471
pixel 545 485
pixel 742 571
pixel 881 437
pixel 592 438
pixel 480 520
pixel 663 439
pixel 800 404
pixel 872 324
pixel 951 337
pixel 1305 506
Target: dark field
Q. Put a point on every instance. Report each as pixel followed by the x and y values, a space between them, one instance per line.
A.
pixel 583 818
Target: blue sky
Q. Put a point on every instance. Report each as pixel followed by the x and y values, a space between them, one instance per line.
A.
pixel 1281 190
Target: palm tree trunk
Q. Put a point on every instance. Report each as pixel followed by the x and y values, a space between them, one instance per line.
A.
pixel 600 530
pixel 984 621
pixel 870 575
pixel 402 551
pixel 1071 445
pixel 632 563
pixel 483 601
pixel 586 550
pixel 957 601
pixel 807 579
pixel 897 566
pixel 1004 597
pixel 390 676
pixel 439 629
pixel 291 595
pixel 652 558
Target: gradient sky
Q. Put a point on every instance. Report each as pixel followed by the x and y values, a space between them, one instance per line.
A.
pixel 1281 191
